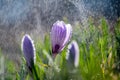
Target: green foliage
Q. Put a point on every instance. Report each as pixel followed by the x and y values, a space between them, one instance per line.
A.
pixel 97 60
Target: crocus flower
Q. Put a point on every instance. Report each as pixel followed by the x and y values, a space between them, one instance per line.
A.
pixel 28 50
pixel 73 53
pixel 60 36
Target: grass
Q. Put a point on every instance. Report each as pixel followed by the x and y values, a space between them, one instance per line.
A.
pixel 99 57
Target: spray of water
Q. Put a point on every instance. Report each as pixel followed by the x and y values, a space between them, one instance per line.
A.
pixel 37 16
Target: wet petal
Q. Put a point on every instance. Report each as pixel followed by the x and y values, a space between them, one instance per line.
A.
pixel 58 36
pixel 28 49
pixel 73 53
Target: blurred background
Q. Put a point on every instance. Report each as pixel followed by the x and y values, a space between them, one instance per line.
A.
pixel 36 17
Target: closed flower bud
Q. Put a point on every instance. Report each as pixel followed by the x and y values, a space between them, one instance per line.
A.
pixel 28 50
pixel 73 53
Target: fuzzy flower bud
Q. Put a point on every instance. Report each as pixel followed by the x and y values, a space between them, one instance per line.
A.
pixel 73 53
pixel 28 50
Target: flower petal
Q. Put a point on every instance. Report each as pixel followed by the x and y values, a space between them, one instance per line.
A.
pixel 28 49
pixel 60 35
pixel 68 35
pixel 73 53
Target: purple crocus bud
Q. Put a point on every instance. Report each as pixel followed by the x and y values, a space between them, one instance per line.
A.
pixel 73 53
pixel 28 50
pixel 60 36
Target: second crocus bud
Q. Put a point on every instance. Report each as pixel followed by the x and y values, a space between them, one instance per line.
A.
pixel 60 36
pixel 28 50
pixel 73 53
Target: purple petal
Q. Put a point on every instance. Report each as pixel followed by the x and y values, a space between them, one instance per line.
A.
pixel 68 35
pixel 28 49
pixel 58 35
pixel 74 53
